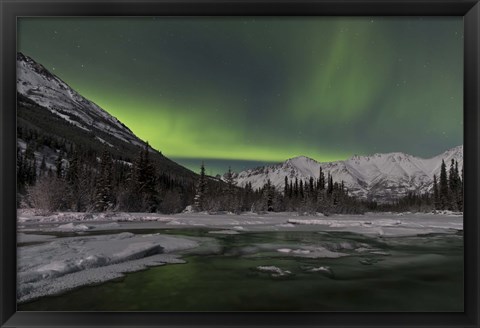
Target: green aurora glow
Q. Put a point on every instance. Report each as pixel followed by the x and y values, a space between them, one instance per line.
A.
pixel 265 89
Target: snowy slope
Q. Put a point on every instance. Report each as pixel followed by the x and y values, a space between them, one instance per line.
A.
pixel 47 90
pixel 53 109
pixel 380 176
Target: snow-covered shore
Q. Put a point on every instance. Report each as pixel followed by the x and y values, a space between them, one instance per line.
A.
pixel 66 263
pixel 380 224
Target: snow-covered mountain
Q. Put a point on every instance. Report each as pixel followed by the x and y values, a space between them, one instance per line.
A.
pixel 47 107
pixel 47 90
pixel 380 177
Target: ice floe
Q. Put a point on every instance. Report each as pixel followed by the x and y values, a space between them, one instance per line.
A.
pixel 65 263
pixel 273 271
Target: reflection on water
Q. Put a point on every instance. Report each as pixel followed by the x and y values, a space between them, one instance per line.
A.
pixel 331 271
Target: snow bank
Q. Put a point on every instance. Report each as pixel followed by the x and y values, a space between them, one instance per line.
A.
pixel 72 227
pixel 387 224
pixel 32 238
pixel 377 224
pixel 69 262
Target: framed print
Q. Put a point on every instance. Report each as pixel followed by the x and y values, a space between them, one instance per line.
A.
pixel 237 163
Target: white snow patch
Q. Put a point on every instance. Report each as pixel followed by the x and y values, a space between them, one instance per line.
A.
pixel 273 271
pixel 321 269
pixel 104 142
pixel 72 227
pixel 68 262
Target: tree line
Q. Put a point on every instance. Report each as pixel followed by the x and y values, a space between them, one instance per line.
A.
pixel 448 191
pixel 304 196
pixel 81 179
pixel 446 194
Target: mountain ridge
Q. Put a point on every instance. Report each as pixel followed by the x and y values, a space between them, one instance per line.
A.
pixel 48 105
pixel 382 177
pixel 38 84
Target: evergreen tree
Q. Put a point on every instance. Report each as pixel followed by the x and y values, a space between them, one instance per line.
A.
pixel 458 189
pixel 436 196
pixel 59 165
pixel 43 166
pixel 201 190
pixel 460 196
pixel 230 206
pixel 103 186
pixel 268 195
pixel 301 192
pixel 321 180
pixel 143 182
pixel 453 184
pixel 20 171
pixel 33 172
pixel 443 188
pixel 311 186
pixel 73 170
pixel 295 188
pixel 150 190
pixel 247 197
pixel 28 169
pixel 330 184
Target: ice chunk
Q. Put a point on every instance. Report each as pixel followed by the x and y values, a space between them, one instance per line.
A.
pixel 274 271
pixel 325 269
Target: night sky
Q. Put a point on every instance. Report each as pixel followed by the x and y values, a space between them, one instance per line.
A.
pixel 243 91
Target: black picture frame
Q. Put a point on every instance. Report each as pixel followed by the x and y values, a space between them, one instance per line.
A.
pixel 10 10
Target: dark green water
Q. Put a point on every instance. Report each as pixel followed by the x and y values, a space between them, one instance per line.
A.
pixel 422 273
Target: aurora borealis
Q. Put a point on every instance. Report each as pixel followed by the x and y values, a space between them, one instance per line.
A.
pixel 242 91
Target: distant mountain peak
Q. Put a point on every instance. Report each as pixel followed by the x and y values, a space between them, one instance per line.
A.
pixel 381 176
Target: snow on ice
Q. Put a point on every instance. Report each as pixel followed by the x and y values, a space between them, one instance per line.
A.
pixel 66 263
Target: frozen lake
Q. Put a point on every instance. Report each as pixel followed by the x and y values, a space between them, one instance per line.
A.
pixel 200 262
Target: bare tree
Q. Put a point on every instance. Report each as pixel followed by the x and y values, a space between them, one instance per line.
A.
pixel 49 194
